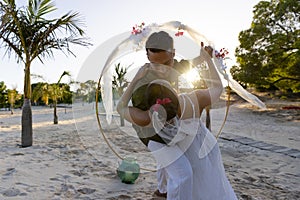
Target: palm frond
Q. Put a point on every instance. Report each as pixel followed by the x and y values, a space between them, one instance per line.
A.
pixel 10 3
pixel 65 73
pixel 49 40
pixel 9 34
pixel 38 8
pixel 28 34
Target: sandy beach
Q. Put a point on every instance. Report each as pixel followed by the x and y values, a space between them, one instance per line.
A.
pixel 71 160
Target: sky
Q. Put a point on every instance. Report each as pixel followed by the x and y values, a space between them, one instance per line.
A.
pixel 220 21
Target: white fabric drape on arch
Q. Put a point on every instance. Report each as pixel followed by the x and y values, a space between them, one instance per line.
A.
pixel 136 42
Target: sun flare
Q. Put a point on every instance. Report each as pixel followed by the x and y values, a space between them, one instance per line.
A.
pixel 191 76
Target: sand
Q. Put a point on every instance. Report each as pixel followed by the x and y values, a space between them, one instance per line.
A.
pixel 71 160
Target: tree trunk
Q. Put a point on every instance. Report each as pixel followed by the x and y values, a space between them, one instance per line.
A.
pixel 11 110
pixel 26 110
pixel 55 120
pixel 26 124
pixel 122 121
pixel 208 124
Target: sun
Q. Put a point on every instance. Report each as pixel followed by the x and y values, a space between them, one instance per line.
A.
pixel 190 77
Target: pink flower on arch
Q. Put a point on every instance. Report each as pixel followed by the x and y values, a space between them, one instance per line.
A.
pixel 179 33
pixel 222 53
pixel 137 29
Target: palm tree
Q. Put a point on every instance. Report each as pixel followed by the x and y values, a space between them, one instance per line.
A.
pixel 12 95
pixel 37 92
pixel 46 91
pixel 57 92
pixel 29 35
pixel 120 82
pixel 90 86
pixel 3 94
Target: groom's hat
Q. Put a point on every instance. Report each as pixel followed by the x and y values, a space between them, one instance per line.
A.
pixel 160 40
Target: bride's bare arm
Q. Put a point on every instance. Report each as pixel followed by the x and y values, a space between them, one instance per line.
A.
pixel 130 113
pixel 212 79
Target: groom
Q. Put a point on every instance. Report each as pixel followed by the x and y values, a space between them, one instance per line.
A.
pixel 159 50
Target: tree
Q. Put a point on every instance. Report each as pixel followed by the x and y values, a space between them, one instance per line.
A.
pixel 268 55
pixel 120 83
pixel 53 92
pixel 40 92
pixel 56 92
pixel 29 35
pixel 3 94
pixel 12 96
pixel 90 90
pixel 85 92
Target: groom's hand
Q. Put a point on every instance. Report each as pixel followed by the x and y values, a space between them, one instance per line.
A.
pixel 208 49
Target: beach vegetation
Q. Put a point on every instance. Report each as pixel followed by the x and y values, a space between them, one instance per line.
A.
pixel 120 83
pixel 28 34
pixel 268 56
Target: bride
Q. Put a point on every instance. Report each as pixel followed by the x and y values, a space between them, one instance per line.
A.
pixel 191 156
pixel 186 131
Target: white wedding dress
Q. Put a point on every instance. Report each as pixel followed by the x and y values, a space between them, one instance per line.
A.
pixel 200 147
